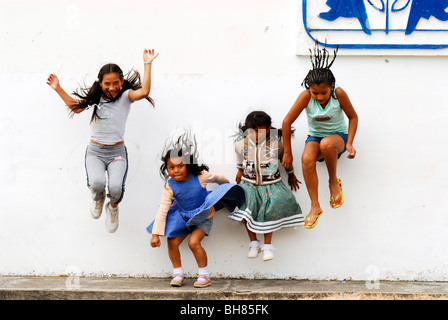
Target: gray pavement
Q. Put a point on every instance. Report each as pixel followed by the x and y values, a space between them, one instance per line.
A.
pixel 110 288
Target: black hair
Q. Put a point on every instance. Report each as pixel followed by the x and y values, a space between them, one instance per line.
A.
pixel 184 147
pixel 320 73
pixel 257 119
pixel 91 96
pixel 254 120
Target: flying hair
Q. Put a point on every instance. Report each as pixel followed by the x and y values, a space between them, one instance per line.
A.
pixel 320 57
pixel 321 64
pixel 91 96
pixel 184 146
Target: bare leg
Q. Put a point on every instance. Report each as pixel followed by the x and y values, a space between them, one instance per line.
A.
pixel 173 250
pixel 309 157
pixel 330 147
pixel 194 242
pixel 268 238
pixel 252 235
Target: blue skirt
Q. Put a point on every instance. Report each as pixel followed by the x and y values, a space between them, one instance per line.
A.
pixel 180 222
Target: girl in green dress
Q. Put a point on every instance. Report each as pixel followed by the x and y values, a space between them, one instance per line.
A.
pixel 269 204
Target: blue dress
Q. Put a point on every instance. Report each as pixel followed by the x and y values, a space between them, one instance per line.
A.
pixel 191 204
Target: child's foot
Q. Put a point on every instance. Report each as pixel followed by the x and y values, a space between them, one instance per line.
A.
pixel 254 249
pixel 312 218
pixel 177 281
pixel 268 253
pixel 111 218
pixel 97 208
pixel 203 281
pixel 337 196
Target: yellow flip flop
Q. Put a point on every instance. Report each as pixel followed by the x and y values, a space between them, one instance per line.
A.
pixel 315 221
pixel 332 204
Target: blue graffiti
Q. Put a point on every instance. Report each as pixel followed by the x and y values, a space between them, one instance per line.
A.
pixel 357 9
pixel 418 9
pixel 347 9
pixel 399 9
pixel 425 9
pixel 383 6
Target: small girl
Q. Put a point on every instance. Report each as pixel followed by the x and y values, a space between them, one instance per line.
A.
pixel 111 96
pixel 269 205
pixel 328 135
pixel 187 207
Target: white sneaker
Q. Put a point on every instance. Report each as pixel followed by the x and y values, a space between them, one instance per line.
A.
pixel 97 208
pixel 111 218
pixel 254 249
pixel 268 253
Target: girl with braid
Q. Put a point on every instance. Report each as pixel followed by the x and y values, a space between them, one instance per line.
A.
pixel 325 103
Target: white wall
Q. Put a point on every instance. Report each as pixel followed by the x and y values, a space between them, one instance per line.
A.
pixel 218 61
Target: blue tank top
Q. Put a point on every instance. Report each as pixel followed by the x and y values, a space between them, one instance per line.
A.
pixel 189 194
pixel 324 122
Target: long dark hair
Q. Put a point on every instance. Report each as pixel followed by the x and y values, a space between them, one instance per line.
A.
pixel 91 96
pixel 320 73
pixel 184 147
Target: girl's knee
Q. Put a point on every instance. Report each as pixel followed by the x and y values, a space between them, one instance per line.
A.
pixel 331 144
pixel 97 185
pixel 115 193
pixel 308 161
pixel 194 243
pixel 174 243
pixel 327 145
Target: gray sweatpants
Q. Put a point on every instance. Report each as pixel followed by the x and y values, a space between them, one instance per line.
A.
pixel 112 160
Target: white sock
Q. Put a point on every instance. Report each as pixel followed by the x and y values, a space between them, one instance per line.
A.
pixel 267 247
pixel 254 243
pixel 178 271
pixel 204 272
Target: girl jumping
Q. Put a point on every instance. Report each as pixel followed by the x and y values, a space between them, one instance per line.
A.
pixel 109 99
pixel 187 208
pixel 269 204
pixel 325 103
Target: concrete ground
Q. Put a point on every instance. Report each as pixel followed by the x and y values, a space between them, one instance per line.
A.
pixel 110 288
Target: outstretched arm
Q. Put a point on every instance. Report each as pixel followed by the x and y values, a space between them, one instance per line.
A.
pixel 143 92
pixel 53 82
pixel 296 109
pixel 211 177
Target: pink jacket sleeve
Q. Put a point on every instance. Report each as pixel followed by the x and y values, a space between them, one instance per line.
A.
pixel 211 177
pixel 164 206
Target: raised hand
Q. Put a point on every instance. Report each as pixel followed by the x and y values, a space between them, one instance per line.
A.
pixel 148 55
pixel 53 81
